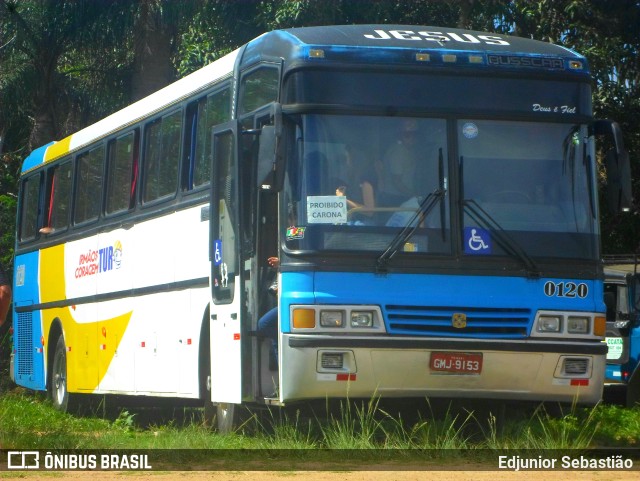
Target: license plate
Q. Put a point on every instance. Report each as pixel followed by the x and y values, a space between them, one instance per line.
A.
pixel 456 362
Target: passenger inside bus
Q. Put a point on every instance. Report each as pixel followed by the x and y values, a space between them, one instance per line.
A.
pixel 268 324
pixel 358 187
pixel 399 166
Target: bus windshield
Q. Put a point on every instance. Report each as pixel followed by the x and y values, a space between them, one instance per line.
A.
pixel 524 189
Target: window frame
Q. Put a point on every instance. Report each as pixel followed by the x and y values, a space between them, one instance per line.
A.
pixel 51 197
pixel 37 176
pixel 144 161
pixel 77 184
pixel 134 172
pixel 197 133
pixel 243 109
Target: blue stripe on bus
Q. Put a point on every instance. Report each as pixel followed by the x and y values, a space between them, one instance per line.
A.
pixel 496 307
pixel 35 158
pixel 28 362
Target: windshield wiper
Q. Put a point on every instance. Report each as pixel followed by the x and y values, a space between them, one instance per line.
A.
pixel 505 241
pixel 569 164
pixel 426 206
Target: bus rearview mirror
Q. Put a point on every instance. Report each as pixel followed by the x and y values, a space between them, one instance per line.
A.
pixel 619 195
pixel 270 173
pixel 618 192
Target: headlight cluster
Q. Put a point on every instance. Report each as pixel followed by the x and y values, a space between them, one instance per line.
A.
pixel 336 317
pixel 569 323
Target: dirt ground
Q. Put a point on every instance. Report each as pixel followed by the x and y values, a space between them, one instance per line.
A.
pixel 331 476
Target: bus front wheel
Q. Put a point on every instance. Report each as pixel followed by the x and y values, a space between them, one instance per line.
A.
pixel 232 417
pixel 226 417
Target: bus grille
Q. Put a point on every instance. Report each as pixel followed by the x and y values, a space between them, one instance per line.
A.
pixel 24 345
pixel 512 323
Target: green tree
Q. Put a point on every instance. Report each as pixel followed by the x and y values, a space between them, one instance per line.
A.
pixel 42 34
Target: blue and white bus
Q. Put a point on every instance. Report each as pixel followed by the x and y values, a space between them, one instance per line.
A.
pixel 430 194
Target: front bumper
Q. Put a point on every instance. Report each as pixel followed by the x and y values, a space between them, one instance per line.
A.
pixel 527 370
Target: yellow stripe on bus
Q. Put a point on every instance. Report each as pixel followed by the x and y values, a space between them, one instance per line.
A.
pixel 91 346
pixel 58 149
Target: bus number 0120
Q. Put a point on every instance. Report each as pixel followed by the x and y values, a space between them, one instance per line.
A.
pixel 566 289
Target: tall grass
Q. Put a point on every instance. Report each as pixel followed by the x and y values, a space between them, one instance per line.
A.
pixel 28 422
pixel 278 428
pixel 575 429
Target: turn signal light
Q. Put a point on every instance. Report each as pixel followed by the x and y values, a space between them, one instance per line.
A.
pixel 304 318
pixel 600 326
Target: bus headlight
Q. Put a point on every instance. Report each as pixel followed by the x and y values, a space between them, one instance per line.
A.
pixel 548 323
pixel 356 319
pixel 331 318
pixel 578 325
pixel 361 319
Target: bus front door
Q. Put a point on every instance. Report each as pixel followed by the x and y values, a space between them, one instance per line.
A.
pixel 226 369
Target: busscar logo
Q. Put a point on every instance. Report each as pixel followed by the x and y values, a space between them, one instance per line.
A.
pixel 519 61
pixel 459 320
pixel 23 460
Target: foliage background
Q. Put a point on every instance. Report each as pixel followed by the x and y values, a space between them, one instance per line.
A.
pixel 66 63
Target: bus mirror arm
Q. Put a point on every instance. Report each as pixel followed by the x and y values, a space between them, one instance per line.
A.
pixel 276 117
pixel 618 187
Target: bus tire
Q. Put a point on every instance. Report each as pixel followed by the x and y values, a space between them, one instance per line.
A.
pixel 58 390
pixel 227 417
pixel 231 417
pixel 210 409
pixel 204 366
pixel 632 391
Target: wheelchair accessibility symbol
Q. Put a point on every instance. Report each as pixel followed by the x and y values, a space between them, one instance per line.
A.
pixel 477 241
pixel 217 252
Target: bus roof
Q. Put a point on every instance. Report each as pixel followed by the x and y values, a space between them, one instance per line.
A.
pixel 183 88
pixel 388 44
pixel 417 37
pixel 428 46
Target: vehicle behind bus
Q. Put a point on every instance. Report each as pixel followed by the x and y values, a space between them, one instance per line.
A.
pixel 621 291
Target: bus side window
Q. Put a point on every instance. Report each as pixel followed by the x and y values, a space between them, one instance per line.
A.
pixel 610 302
pixel 161 157
pixel 30 207
pixel 258 87
pixel 59 200
pixel 213 110
pixel 88 197
pixel 122 169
